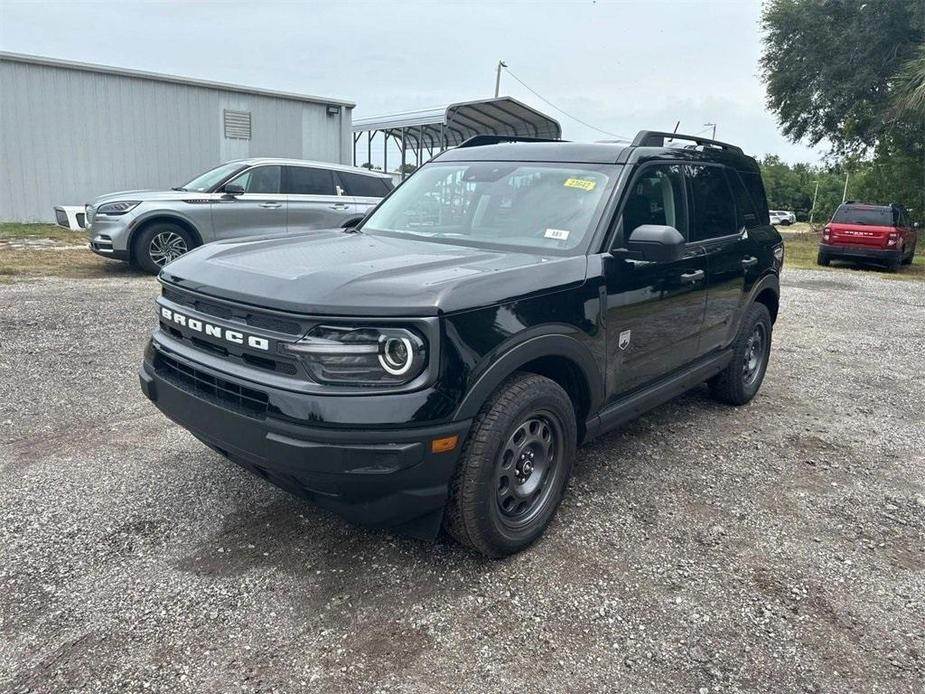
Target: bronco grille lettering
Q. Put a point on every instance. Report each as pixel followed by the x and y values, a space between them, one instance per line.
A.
pixel 233 336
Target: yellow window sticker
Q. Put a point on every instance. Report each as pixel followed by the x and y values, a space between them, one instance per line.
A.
pixel 582 183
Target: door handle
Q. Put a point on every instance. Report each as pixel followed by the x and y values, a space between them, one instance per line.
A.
pixel 691 277
pixel 271 205
pixel 750 261
pixel 339 206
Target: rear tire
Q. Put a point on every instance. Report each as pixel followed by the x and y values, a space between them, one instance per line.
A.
pixel 907 260
pixel 822 260
pixel 159 243
pixel 514 467
pixel 738 383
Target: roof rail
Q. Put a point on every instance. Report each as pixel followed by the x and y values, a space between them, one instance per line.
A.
pixel 655 138
pixel 479 140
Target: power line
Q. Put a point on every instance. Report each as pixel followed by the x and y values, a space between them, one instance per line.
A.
pixel 566 113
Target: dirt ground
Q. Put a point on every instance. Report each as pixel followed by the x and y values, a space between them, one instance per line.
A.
pixel 778 547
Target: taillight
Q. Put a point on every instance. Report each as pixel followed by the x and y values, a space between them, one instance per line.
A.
pixel 826 232
pixel 892 239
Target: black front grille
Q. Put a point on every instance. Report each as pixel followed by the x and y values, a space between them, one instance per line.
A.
pixel 256 320
pixel 247 401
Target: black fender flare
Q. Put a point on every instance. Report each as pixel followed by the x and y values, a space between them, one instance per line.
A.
pixel 521 349
pixel 769 281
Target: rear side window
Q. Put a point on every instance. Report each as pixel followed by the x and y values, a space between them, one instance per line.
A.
pixel 303 180
pixel 755 189
pixel 866 215
pixel 748 217
pixel 365 186
pixel 714 210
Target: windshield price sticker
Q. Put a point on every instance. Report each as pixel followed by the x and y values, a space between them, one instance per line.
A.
pixel 557 234
pixel 582 183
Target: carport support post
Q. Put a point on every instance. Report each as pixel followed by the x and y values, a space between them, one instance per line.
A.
pixel 420 144
pixel 369 150
pixel 385 151
pixel 402 154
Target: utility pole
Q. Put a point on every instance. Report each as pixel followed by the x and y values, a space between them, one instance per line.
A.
pixel 707 125
pixel 813 208
pixel 501 64
pixel 844 195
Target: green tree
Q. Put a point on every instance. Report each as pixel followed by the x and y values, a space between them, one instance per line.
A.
pixel 910 87
pixel 829 66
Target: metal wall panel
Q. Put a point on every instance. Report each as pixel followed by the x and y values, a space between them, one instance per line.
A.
pixel 68 135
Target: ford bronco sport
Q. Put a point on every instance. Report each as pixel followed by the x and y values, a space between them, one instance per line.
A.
pixel 438 364
pixel 868 233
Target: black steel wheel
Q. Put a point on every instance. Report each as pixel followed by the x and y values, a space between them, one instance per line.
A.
pixel 738 383
pixel 514 467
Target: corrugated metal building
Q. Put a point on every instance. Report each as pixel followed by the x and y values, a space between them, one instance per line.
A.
pixel 72 131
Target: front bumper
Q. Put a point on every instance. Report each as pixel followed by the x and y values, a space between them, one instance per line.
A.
pixel 373 477
pixel 861 253
pixel 109 236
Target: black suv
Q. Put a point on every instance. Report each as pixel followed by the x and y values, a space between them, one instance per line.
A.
pixel 439 364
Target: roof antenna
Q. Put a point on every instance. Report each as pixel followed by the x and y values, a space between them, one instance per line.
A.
pixel 676 126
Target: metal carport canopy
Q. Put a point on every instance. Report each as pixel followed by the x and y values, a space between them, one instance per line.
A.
pixel 451 125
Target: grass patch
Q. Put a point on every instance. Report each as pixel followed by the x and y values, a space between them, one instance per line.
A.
pixel 20 263
pixel 12 231
pixel 800 251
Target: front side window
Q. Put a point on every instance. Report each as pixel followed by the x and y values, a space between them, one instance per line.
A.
pixel 547 207
pixel 260 179
pixel 207 181
pixel 656 197
pixel 714 211
pixel 304 180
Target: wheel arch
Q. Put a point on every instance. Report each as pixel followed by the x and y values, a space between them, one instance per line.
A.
pixel 767 291
pixel 561 358
pixel 154 219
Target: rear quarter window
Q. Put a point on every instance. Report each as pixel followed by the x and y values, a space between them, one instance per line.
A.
pixel 755 187
pixel 365 186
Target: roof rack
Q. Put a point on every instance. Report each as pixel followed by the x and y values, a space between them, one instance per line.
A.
pixel 655 138
pixel 479 140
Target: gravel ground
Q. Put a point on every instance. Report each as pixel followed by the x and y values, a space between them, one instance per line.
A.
pixel 778 547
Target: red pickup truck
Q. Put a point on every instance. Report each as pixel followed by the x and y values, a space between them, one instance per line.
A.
pixel 879 234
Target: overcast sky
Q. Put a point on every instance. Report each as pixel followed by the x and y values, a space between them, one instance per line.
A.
pixel 620 66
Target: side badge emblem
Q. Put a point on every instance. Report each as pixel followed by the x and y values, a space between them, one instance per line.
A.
pixel 625 339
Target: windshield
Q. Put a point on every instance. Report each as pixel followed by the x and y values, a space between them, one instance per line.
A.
pixel 869 216
pixel 205 182
pixel 546 207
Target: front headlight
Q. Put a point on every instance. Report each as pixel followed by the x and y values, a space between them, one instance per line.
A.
pixel 116 208
pixel 362 356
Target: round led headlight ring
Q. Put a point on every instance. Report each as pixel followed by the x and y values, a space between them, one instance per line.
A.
pixel 396 355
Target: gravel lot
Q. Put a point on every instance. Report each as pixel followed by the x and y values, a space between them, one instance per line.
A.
pixel 778 547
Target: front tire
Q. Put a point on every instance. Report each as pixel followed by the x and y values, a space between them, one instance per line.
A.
pixel 160 243
pixel 514 467
pixel 738 383
pixel 822 260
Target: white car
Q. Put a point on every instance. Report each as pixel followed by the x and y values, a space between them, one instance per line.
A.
pixel 782 217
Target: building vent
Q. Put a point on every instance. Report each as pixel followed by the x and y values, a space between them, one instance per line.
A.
pixel 237 125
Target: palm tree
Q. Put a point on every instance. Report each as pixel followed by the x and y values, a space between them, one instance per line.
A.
pixel 910 86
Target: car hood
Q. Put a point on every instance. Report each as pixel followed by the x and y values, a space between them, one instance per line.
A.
pixel 333 272
pixel 146 195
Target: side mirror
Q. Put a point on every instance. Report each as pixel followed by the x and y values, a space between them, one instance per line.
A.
pixel 655 243
pixel 351 223
pixel 233 189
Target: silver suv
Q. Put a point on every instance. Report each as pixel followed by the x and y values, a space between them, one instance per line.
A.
pixel 241 198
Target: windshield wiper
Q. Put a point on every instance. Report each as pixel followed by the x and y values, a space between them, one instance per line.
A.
pixel 180 188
